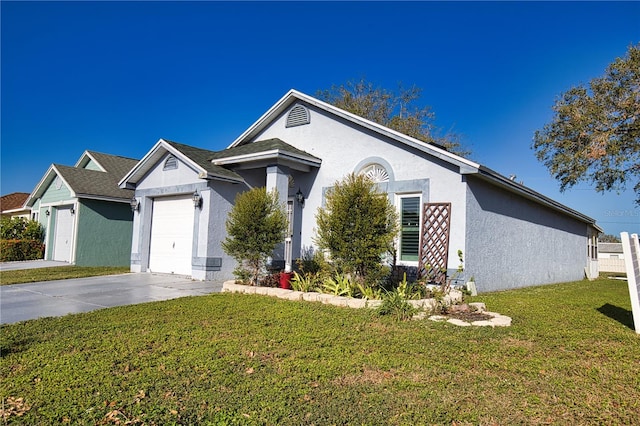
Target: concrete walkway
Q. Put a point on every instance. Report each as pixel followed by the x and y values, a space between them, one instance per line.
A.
pixel 30 264
pixel 20 302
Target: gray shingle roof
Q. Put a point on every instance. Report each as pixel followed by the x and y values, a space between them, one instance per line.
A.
pixel 114 164
pixel 203 157
pixel 609 247
pixel 261 146
pixel 85 182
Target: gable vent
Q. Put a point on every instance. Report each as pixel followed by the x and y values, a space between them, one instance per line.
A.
pixel 298 116
pixel 171 163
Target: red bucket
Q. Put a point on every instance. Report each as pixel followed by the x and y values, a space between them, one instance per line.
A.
pixel 285 280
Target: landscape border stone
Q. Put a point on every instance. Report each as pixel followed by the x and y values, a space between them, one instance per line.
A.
pixel 497 320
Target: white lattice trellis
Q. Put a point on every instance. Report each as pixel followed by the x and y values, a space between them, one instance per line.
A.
pixel 434 240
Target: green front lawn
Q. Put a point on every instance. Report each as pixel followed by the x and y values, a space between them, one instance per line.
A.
pixel 570 357
pixel 58 273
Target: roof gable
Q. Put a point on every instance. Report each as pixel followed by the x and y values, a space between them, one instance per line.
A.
pixel 86 183
pixel 197 158
pixel 98 181
pixel 115 164
pixel 465 165
pixel 294 96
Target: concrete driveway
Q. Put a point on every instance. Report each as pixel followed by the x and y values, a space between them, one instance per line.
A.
pixel 19 302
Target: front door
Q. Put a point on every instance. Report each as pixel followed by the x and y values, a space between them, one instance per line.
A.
pixel 63 234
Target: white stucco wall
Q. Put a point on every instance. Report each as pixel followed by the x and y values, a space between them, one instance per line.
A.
pixel 208 260
pixel 343 148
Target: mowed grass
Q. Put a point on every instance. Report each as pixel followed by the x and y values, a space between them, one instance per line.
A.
pixel 570 357
pixel 58 273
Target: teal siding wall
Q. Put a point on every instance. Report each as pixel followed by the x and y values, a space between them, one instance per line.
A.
pixel 91 165
pixel 52 195
pixel 104 233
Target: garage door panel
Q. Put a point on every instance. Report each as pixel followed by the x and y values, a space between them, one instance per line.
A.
pixel 172 235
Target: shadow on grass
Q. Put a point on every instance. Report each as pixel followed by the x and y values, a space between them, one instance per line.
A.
pixel 623 316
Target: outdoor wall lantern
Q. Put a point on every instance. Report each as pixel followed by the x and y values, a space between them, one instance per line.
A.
pixel 47 212
pixel 300 198
pixel 197 200
pixel 73 211
pixel 135 204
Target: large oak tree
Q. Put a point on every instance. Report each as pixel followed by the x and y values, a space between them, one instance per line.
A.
pixel 594 135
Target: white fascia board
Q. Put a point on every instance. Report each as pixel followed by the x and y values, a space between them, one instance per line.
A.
pixel 46 180
pixel 267 155
pixel 17 210
pixel 142 167
pixel 210 176
pixel 265 118
pixel 188 161
pixel 71 191
pixel 151 158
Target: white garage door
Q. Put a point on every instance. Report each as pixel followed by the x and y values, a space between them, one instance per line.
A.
pixel 63 234
pixel 171 235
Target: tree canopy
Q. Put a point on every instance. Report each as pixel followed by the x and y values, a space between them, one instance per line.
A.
pixel 594 135
pixel 396 110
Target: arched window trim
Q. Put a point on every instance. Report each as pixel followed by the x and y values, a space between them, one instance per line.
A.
pixel 376 172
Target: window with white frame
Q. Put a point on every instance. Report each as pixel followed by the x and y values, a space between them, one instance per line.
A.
pixel 409 242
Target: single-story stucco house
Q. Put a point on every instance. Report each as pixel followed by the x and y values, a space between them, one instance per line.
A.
pixel 511 236
pixel 87 218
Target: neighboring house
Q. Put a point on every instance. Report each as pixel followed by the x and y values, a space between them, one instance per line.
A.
pixel 511 236
pixel 611 257
pixel 87 217
pixel 12 205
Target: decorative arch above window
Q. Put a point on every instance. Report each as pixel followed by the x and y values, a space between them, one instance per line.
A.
pixel 171 163
pixel 376 173
pixel 298 116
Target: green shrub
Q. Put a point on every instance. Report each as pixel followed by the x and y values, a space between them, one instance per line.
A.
pixel 15 250
pixel 357 226
pixel 19 228
pixel 21 239
pixel 255 226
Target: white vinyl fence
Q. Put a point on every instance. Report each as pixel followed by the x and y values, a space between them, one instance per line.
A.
pixel 612 265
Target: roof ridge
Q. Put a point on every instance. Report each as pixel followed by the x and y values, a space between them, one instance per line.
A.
pixel 111 155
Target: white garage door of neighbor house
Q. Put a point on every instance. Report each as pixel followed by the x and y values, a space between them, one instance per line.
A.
pixel 171 235
pixel 63 234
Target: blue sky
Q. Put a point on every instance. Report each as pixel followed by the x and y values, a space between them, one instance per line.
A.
pixel 115 77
